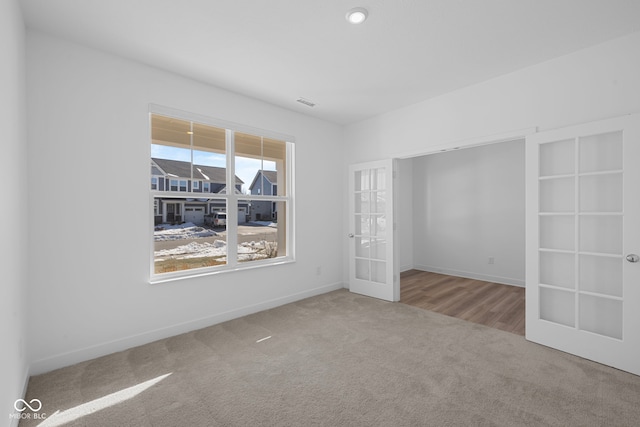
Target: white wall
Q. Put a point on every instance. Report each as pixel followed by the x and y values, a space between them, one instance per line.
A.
pixel 595 83
pixel 13 244
pixel 89 246
pixel 469 207
pixel 404 217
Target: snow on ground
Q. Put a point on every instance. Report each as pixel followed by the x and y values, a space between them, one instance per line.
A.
pixel 218 249
pixel 265 223
pixel 188 230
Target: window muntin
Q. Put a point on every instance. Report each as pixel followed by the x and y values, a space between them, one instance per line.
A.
pixel 197 158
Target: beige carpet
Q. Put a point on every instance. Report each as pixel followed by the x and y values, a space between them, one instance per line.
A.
pixel 339 359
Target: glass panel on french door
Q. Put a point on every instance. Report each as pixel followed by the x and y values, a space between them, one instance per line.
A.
pixel 601 152
pixel 601 275
pixel 557 306
pixel 557 269
pixel 370 224
pixel 581 233
pixel 557 158
pixel 601 315
pixel 378 271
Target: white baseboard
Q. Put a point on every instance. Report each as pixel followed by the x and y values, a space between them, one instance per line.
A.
pixel 404 268
pixel 471 275
pixel 98 350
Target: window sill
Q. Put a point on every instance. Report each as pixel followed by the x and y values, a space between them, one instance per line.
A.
pixel 210 271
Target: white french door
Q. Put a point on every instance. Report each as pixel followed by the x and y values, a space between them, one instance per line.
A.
pixel 583 237
pixel 373 269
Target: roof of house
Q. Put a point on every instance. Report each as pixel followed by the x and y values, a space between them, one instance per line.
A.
pixel 181 169
pixel 272 177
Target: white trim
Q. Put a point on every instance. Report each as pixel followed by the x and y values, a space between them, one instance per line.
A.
pixel 471 142
pixel 87 353
pixel 218 269
pixel 249 197
pixel 232 200
pixel 187 195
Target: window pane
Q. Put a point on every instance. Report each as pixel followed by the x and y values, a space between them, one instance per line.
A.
pixel 180 243
pixel 170 132
pixel 262 239
pixel 261 164
pixel 209 157
pixel 170 151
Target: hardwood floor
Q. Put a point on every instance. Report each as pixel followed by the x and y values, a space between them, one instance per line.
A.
pixel 491 304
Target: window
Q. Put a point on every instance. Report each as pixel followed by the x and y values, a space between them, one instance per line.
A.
pixel 232 226
pixel 154 182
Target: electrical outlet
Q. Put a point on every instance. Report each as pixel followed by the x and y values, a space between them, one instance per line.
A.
pixel 491 260
pixel 318 270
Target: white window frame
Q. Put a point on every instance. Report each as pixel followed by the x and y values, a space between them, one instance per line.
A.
pixel 231 198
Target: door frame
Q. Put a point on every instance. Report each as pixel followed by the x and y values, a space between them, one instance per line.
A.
pixel 498 138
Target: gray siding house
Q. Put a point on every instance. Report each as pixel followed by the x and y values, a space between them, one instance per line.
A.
pixel 176 176
pixel 265 183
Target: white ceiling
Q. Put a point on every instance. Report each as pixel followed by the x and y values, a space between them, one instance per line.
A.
pixel 280 50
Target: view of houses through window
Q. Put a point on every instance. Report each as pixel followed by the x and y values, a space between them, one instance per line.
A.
pixel 220 196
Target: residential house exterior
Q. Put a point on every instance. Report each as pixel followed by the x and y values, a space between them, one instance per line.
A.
pixel 265 183
pixel 176 176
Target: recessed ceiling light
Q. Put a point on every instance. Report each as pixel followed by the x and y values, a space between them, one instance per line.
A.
pixel 357 15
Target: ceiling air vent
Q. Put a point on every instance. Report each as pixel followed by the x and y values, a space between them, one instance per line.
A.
pixel 306 102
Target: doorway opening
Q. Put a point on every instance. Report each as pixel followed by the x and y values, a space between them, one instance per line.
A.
pixel 461 232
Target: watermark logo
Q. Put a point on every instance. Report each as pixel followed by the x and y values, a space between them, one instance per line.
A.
pixel 34 405
pixel 27 404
